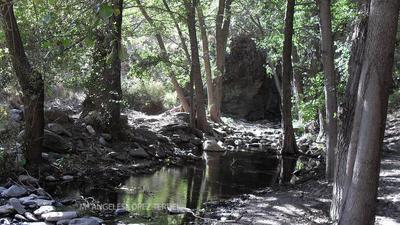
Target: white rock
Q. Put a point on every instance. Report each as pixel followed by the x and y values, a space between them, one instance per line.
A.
pixel 212 145
pixel 68 178
pixel 90 129
pixel 16 204
pixel 44 209
pixel 50 178
pixel 56 216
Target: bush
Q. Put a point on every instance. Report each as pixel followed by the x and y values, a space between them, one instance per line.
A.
pixel 149 96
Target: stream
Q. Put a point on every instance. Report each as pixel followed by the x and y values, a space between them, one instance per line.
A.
pixel 225 175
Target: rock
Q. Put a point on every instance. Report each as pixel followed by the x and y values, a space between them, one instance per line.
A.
pixel 102 141
pixel 6 210
pixel 58 129
pixel 16 115
pixel 248 92
pixel 178 210
pixel 394 146
pixel 56 116
pixel 67 178
pixel 14 191
pixel 63 222
pixel 90 130
pixel 107 137
pixel 44 209
pixel 26 179
pixel 34 200
pixel 121 212
pixel 84 221
pixel 56 216
pixel 35 223
pixel 50 178
pixel 30 217
pixel 212 145
pixel 20 217
pixel 55 143
pixel 5 221
pixel 138 153
pixel 16 204
pixel 2 189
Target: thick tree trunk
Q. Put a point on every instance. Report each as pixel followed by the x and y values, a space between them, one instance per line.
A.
pixel 206 56
pixel 32 86
pixel 330 85
pixel 289 145
pixel 348 108
pixel 370 116
pixel 165 56
pixel 201 119
pixel 222 32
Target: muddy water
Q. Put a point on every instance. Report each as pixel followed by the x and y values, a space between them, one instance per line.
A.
pixel 224 175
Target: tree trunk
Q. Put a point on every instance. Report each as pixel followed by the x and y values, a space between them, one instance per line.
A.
pixel 348 108
pixel 32 86
pixel 201 119
pixel 165 56
pixel 222 32
pixel 297 85
pixel 289 145
pixel 206 56
pixel 370 115
pixel 328 64
pixel 115 91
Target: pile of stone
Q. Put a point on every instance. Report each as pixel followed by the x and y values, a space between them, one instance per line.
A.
pixel 23 204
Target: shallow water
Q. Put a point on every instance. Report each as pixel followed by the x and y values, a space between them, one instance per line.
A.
pixel 224 175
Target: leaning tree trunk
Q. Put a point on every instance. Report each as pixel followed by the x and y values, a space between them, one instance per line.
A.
pixel 348 108
pixel 32 86
pixel 327 55
pixel 370 115
pixel 289 145
pixel 165 56
pixel 201 119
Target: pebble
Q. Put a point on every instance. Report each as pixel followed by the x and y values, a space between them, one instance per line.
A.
pixel 44 209
pixel 50 178
pixel 68 178
pixel 6 209
pixel 57 216
pixel 84 221
pixel 90 129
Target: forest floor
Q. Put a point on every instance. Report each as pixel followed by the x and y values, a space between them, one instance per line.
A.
pixel 309 202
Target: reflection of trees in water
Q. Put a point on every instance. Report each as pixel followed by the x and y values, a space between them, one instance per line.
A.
pixel 196 188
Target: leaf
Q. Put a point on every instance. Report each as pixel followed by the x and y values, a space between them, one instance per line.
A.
pixel 105 11
pixel 37 1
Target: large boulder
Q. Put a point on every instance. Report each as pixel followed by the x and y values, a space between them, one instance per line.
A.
pixel 248 91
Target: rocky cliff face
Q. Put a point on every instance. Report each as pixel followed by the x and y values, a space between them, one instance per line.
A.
pixel 247 90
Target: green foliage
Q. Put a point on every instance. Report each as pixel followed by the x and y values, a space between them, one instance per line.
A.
pixel 314 98
pixel 148 95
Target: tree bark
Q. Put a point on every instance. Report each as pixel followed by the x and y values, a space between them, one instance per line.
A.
pixel 206 55
pixel 222 32
pixel 328 65
pixel 348 108
pixel 165 56
pixel 370 115
pixel 201 119
pixel 32 86
pixel 289 145
pixel 115 91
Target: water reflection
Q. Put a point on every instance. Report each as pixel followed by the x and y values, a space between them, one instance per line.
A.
pixel 225 175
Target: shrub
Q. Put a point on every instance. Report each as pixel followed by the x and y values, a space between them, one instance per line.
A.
pixel 149 96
